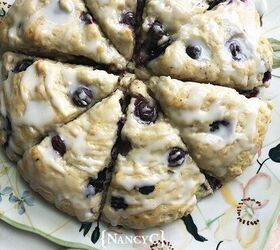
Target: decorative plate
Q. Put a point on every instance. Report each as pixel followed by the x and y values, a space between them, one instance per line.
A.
pixel 238 216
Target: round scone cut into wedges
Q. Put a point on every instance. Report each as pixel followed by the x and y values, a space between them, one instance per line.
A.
pixel 69 168
pixel 39 95
pixel 223 46
pixel 118 20
pixel 154 180
pixel 222 129
pixel 51 26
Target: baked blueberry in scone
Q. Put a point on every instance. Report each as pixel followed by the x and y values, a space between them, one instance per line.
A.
pixel 39 95
pixel 161 20
pixel 222 129
pixel 69 168
pixel 172 14
pixel 155 180
pixel 118 20
pixel 223 46
pixel 52 27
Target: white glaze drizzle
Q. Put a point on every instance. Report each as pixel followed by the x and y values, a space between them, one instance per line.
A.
pixel 147 165
pixel 226 105
pixel 38 114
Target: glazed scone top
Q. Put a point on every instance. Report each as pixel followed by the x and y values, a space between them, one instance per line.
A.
pixel 62 26
pixel 144 164
pixel 216 117
pixel 172 13
pixel 46 94
pixel 68 167
pixel 224 46
pixel 117 18
pixel 88 139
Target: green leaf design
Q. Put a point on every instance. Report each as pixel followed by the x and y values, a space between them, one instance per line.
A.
pixel 2 12
pixel 276 48
pixel 274 153
pixel 192 228
pixel 95 235
pixel 85 227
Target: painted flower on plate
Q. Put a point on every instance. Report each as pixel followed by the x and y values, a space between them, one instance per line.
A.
pixel 25 199
pixel 5 191
pixel 241 221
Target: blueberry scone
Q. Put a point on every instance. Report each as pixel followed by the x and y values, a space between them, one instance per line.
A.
pixel 222 129
pixel 39 95
pixel 118 20
pixel 155 179
pixel 69 168
pixel 223 46
pixel 60 27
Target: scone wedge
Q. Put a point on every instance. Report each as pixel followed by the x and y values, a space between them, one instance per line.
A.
pixel 40 95
pixel 118 20
pixel 155 180
pixel 224 46
pixel 62 27
pixel 69 168
pixel 222 129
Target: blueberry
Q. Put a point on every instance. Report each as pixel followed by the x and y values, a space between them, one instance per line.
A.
pixel 266 76
pixel 235 50
pixel 23 65
pixel 176 157
pixel 124 102
pixel 156 31
pixel 194 52
pixel 155 45
pixel 214 3
pixel 159 50
pixel 96 185
pixel 155 48
pixel 216 125
pixel 86 18
pixel 145 111
pixel 128 18
pixel 249 93
pixel 82 97
pixel 118 203
pixel 124 147
pixel 214 183
pixel 121 147
pixel 58 145
pixel 146 190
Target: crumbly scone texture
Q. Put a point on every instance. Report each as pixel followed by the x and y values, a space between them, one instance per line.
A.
pixel 222 129
pixel 65 179
pixel 51 26
pixel 223 46
pixel 117 18
pixel 145 166
pixel 39 99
